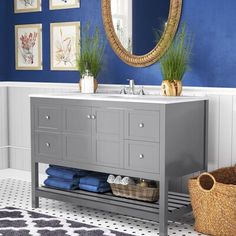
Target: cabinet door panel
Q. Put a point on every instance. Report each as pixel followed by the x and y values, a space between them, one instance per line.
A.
pixel 77 120
pixel 109 153
pixel 77 148
pixel 108 122
pixel 108 137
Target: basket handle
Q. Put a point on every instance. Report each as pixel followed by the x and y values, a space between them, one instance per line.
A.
pixel 211 177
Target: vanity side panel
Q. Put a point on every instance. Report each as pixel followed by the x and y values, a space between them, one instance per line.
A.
pixel 185 138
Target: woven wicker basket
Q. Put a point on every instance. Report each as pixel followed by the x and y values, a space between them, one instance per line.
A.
pixel 136 192
pixel 213 197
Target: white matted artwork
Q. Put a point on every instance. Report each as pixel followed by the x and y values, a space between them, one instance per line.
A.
pixel 63 4
pixel 28 46
pixel 27 6
pixel 65 45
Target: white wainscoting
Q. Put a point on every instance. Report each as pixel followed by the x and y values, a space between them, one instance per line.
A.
pixel 3 128
pixel 222 123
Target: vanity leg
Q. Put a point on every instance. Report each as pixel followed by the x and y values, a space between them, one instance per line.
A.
pixel 34 184
pixel 163 217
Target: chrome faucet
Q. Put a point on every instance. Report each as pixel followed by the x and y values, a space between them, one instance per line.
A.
pixel 131 89
pixel 131 86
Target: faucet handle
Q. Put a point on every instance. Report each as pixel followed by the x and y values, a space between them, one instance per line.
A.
pixel 141 91
pixel 123 91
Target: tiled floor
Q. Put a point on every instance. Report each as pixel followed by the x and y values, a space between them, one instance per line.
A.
pixel 15 191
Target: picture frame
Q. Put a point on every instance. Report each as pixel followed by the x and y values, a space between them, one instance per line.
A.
pixel 65 45
pixel 23 6
pixel 63 4
pixel 28 47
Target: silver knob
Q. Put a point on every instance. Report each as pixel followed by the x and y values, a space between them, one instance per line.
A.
pixel 141 125
pixel 47 117
pixel 48 145
pixel 141 156
pixel 89 116
pixel 93 117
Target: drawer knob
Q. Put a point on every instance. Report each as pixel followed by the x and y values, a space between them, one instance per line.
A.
pixel 93 117
pixel 47 117
pixel 141 125
pixel 48 145
pixel 89 116
pixel 141 156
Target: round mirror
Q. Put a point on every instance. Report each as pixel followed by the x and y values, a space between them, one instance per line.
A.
pixel 140 31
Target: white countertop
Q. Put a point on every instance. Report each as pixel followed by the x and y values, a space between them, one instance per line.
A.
pixel 156 99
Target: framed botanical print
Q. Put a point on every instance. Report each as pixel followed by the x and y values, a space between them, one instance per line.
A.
pixel 28 47
pixel 63 4
pixel 65 45
pixel 27 6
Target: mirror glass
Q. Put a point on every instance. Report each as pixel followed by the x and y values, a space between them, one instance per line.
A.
pixel 139 24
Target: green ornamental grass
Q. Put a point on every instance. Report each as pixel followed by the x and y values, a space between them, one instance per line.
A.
pixel 91 51
pixel 176 61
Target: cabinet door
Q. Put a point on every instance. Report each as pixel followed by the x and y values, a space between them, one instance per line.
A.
pixel 77 131
pixel 77 148
pixel 77 119
pixel 108 137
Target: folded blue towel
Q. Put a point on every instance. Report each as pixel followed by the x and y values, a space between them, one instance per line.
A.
pixel 97 189
pixel 61 183
pixel 95 179
pixel 65 173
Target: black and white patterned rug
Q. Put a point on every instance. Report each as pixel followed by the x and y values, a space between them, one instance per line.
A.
pixel 17 222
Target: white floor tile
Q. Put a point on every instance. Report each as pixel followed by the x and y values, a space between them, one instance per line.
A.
pixel 15 191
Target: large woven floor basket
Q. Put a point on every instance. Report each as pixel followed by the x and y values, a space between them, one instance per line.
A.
pixel 213 198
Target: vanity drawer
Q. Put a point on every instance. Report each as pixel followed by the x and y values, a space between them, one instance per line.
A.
pixel 143 125
pixel 142 156
pixel 48 117
pixel 48 144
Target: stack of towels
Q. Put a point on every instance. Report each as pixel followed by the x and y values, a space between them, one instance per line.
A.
pixel 71 179
pixel 64 178
pixel 119 180
pixel 95 182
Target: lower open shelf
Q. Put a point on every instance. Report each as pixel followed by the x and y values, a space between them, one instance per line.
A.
pixel 178 204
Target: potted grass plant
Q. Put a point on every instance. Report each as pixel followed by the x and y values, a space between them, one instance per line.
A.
pixel 91 54
pixel 175 63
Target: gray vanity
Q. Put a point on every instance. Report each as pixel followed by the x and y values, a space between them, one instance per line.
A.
pixel 152 138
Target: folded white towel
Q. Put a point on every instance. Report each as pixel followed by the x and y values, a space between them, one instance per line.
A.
pixel 111 179
pixel 118 180
pixel 127 181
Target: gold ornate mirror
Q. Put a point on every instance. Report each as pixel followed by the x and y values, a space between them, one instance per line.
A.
pixel 140 31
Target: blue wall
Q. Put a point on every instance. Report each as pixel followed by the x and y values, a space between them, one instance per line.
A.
pixel 89 11
pixel 214 55
pixel 3 50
